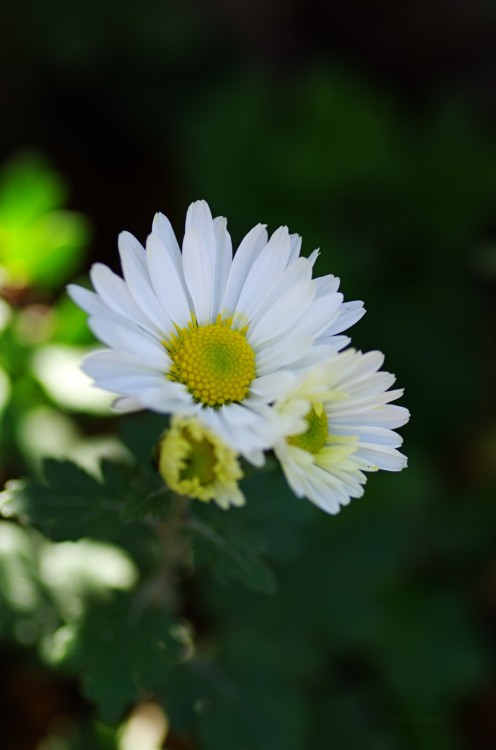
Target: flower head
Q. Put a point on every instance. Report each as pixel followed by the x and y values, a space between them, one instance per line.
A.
pixel 193 461
pixel 201 333
pixel 346 424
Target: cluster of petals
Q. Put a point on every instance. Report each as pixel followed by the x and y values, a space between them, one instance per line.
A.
pixel 356 398
pixel 292 321
pixel 290 326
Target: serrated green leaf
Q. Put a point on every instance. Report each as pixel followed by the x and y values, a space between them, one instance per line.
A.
pixel 68 505
pixel 141 489
pixel 154 503
pixel 124 650
pixel 232 554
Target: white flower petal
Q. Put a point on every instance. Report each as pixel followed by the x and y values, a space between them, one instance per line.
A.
pixel 265 273
pixel 360 405
pixel 321 311
pixel 314 357
pixel 255 457
pixel 246 254
pixel 114 292
pixel 335 343
pixel 370 433
pixel 349 314
pixel 121 373
pixel 313 257
pixel 295 244
pixel 224 262
pixel 298 271
pixel 389 416
pixel 123 338
pixel 169 398
pixel 216 420
pixel 133 259
pixel 126 405
pixel 281 352
pixel 382 456
pixel 87 300
pixel 327 285
pixel 218 248
pixel 162 228
pixel 168 283
pixel 198 273
pixel 270 386
pixel 199 217
pixel 239 415
pixel 283 315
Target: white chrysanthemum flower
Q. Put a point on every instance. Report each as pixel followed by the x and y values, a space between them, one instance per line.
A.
pixel 203 334
pixel 346 429
pixel 194 461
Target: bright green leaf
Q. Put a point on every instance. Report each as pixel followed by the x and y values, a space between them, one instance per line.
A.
pixel 39 242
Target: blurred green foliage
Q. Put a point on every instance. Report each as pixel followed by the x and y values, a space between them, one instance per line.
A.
pixel 40 244
pixel 272 627
pixel 43 336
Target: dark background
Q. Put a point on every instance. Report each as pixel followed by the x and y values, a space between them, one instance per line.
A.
pixel 369 130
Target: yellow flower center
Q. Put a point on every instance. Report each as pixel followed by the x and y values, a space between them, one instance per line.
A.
pixel 199 461
pixel 317 432
pixel 195 462
pixel 215 362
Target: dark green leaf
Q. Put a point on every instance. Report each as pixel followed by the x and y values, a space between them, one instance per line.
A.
pixel 68 505
pixel 140 433
pixel 124 650
pixel 233 554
